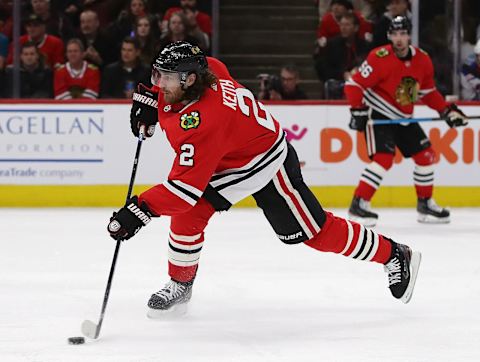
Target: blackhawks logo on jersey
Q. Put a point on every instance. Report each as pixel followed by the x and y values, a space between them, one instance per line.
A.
pixel 189 121
pixel 407 91
pixel 382 52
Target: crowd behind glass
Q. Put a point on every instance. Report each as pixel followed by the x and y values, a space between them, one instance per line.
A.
pixel 103 48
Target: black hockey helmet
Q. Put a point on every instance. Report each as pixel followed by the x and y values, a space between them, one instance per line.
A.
pixel 400 23
pixel 181 57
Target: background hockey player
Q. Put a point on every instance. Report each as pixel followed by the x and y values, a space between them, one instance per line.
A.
pixel 228 146
pixel 386 86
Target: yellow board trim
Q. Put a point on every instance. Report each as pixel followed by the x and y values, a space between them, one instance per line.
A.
pixel 114 196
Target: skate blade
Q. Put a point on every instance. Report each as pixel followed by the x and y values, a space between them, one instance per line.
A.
pixel 174 312
pixel 430 219
pixel 369 222
pixel 414 265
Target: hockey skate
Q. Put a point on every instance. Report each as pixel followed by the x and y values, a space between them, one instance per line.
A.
pixel 402 269
pixel 360 212
pixel 171 300
pixel 429 212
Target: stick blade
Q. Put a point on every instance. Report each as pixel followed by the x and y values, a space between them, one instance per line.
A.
pixel 89 329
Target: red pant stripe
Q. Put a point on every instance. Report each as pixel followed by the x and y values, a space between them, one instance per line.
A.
pixel 295 203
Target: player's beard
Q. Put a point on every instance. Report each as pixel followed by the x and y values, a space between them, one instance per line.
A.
pixel 173 96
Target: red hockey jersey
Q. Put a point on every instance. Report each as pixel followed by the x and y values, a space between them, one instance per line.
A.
pixel 391 86
pixel 69 83
pixel 51 47
pixel 329 27
pixel 204 20
pixel 225 139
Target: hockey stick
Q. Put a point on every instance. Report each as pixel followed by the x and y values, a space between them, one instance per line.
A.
pixel 414 120
pixel 90 329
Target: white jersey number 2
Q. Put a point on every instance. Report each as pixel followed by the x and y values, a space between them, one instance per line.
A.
pixel 186 157
pixel 266 122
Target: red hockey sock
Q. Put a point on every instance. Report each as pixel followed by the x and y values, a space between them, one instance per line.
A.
pixel 423 175
pixel 348 238
pixel 372 175
pixel 186 240
pixel 183 256
pixel 365 191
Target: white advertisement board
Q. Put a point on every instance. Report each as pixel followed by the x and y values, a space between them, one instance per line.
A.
pixel 75 144
pixel 91 144
pixel 335 155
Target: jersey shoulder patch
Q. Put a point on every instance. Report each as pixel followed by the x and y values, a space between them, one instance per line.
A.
pixel 382 52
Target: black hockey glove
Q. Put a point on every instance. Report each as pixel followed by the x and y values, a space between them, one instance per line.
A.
pixel 359 118
pixel 129 219
pixel 144 110
pixel 454 116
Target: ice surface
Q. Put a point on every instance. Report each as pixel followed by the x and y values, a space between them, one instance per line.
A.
pixel 255 299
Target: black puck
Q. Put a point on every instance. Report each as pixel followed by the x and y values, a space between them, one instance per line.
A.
pixel 76 340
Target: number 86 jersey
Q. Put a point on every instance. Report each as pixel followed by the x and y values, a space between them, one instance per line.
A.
pixel 227 146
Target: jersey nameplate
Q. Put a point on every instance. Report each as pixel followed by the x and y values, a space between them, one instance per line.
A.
pixel 382 52
pixel 189 121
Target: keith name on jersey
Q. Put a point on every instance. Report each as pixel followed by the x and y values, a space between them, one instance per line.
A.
pixel 229 94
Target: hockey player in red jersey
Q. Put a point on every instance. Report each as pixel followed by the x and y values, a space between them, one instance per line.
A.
pixel 386 86
pixel 229 146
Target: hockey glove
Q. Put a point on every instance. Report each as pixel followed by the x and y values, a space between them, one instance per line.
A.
pixel 454 116
pixel 144 110
pixel 129 219
pixel 359 118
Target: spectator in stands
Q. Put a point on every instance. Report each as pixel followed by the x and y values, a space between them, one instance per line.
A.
pixel 189 7
pixel 76 78
pixel 50 46
pixel 470 75
pixel 125 24
pixel 56 23
pixel 323 7
pixel 107 10
pixel 145 35
pixel 6 18
pixel 35 78
pixel 285 87
pixel 370 9
pixel 177 31
pixel 329 24
pixel 3 50
pixel 394 8
pixel 336 61
pixel 71 10
pixel 160 7
pixel 195 31
pixel 99 50
pixel 120 78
